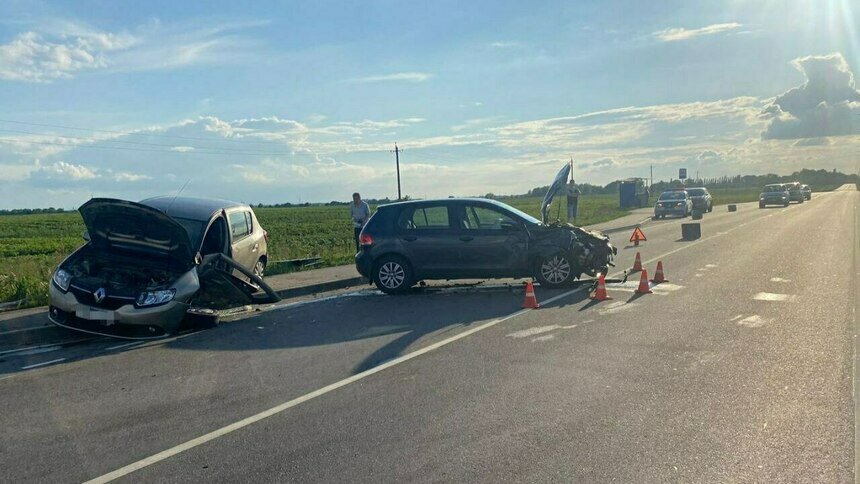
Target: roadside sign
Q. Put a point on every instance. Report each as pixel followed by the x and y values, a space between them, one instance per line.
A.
pixel 682 173
pixel 637 236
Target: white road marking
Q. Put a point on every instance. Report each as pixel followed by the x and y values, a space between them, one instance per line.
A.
pixel 739 316
pixel 32 350
pixel 779 279
pixel 769 296
pixel 543 338
pixel 126 345
pixel 178 449
pixel 533 331
pixel 660 289
pixel 710 266
pixel 42 364
pixel 754 321
pixel 23 330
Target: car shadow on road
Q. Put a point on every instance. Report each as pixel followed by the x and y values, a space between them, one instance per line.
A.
pixel 366 329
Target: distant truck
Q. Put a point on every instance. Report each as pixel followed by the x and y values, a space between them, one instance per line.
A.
pixel 633 192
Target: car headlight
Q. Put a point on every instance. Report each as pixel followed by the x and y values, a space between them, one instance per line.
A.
pixel 153 298
pixel 62 279
pixel 678 204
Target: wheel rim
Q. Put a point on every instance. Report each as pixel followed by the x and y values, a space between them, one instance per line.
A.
pixel 259 268
pixel 555 270
pixel 392 275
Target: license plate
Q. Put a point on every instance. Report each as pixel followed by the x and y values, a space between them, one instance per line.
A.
pixel 93 314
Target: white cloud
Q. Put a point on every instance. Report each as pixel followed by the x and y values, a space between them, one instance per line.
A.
pixel 63 49
pixel 826 104
pixel 396 77
pixel 681 33
pixel 182 149
pixel 130 177
pixel 504 44
pixel 70 171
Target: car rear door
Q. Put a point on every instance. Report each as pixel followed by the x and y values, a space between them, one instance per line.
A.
pixel 244 248
pixel 493 242
pixel 428 240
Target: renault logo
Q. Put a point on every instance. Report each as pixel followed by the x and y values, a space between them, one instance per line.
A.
pixel 99 295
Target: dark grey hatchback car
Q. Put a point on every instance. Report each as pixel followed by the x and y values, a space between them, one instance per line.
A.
pixel 465 238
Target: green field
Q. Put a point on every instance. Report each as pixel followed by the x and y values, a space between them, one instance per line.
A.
pixel 31 246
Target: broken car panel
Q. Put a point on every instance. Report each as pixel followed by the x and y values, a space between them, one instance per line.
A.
pixel 143 269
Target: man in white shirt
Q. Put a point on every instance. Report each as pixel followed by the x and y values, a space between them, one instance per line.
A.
pixel 359 210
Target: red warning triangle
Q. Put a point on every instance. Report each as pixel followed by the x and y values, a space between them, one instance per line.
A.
pixel 638 235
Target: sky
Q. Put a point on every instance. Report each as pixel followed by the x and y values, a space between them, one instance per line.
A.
pixel 304 101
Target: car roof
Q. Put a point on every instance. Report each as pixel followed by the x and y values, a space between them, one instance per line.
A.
pixel 193 208
pixel 442 200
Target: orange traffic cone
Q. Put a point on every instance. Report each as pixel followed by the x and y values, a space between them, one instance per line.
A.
pixel 637 264
pixel 658 274
pixel 531 300
pixel 643 288
pixel 600 291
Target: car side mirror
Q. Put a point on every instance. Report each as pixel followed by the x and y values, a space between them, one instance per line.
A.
pixel 86 235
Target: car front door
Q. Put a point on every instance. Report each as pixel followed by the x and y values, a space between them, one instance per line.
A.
pixel 427 237
pixel 493 242
pixel 243 247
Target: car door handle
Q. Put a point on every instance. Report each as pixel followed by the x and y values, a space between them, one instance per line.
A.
pixel 466 238
pixel 410 238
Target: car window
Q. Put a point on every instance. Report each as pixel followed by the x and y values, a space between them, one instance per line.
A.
pixel 673 196
pixel 238 225
pixel 696 192
pixel 484 218
pixel 249 221
pixel 432 217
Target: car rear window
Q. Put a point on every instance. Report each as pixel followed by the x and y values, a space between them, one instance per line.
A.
pixel 696 192
pixel 672 196
pixel 238 225
pixel 428 217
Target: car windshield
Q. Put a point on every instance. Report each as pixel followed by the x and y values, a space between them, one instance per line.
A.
pixel 195 230
pixel 696 192
pixel 773 188
pixel 672 196
pixel 528 218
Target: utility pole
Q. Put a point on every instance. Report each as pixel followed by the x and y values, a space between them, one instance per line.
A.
pixel 397 152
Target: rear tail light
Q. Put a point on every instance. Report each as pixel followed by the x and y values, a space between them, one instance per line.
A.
pixel 266 235
pixel 365 239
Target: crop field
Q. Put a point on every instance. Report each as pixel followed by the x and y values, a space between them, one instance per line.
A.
pixel 31 246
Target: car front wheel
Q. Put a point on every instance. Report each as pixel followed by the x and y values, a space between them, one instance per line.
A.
pixel 260 268
pixel 392 275
pixel 554 271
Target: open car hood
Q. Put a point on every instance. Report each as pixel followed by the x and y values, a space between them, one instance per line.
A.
pixel 130 226
pixel 557 185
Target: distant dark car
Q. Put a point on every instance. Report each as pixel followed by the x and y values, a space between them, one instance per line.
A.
pixel 773 194
pixel 795 193
pixel 475 238
pixel 702 199
pixel 807 192
pixel 673 202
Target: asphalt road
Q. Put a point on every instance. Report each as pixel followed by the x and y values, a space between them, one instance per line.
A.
pixel 739 369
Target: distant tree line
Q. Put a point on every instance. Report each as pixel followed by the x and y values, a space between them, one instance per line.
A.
pixel 813 178
pixel 31 211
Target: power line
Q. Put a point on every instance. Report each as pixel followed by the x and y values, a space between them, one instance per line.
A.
pixel 129 133
pixel 145 150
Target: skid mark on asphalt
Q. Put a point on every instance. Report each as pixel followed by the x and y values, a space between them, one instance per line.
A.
pixel 615 307
pixel 754 321
pixel 660 289
pixel 770 296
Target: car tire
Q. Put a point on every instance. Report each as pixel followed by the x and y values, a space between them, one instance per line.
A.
pixel 554 270
pixel 761 205
pixel 785 204
pixel 710 208
pixel 260 268
pixel 392 275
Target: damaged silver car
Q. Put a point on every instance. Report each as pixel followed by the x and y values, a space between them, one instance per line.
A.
pixel 147 265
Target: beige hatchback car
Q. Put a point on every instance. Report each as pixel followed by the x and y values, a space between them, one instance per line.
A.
pixel 146 265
